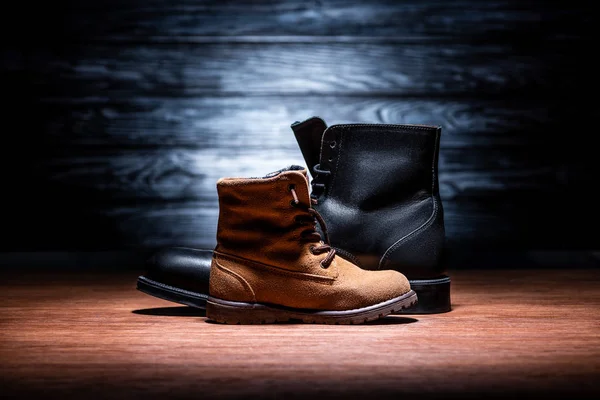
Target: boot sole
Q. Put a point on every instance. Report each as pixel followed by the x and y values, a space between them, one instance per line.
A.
pixel 233 312
pixel 434 295
pixel 171 293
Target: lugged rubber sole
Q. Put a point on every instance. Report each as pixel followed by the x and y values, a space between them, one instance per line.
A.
pixel 434 295
pixel 232 312
pixel 171 293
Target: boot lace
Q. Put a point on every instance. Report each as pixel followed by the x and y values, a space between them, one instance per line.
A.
pixel 309 219
pixel 318 182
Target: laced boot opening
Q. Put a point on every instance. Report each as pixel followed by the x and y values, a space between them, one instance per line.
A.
pixel 319 182
pixel 310 219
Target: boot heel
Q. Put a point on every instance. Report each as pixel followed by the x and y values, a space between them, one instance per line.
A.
pixel 434 296
pixel 233 312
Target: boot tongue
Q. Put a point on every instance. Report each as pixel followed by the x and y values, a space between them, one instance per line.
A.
pixel 290 168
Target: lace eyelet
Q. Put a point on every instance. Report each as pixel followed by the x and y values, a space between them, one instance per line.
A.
pixel 293 203
pixel 323 266
pixel 312 250
pixel 332 144
pixel 330 159
pixel 291 187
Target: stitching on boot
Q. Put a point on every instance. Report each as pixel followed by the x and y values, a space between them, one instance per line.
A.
pixel 281 271
pixel 237 276
pixel 430 220
pixel 400 241
pixel 337 161
pixel 381 126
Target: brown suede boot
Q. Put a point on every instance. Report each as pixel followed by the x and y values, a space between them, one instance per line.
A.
pixel 270 263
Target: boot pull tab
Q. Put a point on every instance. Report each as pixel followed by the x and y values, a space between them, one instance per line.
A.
pixel 308 134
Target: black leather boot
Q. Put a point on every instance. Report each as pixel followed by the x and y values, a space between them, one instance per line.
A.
pixel 178 274
pixel 376 187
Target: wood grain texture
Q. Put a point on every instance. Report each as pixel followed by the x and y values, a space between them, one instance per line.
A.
pixel 120 115
pixel 501 223
pixel 108 71
pixel 159 196
pixel 527 333
pixel 189 20
pixel 251 123
pixel 191 174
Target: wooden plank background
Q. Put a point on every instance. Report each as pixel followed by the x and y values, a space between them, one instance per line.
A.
pixel 120 116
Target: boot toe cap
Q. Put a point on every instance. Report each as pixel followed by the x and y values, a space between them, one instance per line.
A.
pixel 373 287
pixel 396 284
pixel 181 267
pixel 387 285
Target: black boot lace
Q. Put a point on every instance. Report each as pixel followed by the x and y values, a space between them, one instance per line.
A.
pixel 318 183
pixel 311 233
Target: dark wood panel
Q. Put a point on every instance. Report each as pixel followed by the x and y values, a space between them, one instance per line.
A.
pixel 512 334
pixel 101 199
pixel 242 122
pixel 189 20
pixel 83 221
pixel 164 197
pixel 121 115
pixel 110 72
pixel 185 174
pixel 472 225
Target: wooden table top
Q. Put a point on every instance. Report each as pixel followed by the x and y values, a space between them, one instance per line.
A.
pixel 512 332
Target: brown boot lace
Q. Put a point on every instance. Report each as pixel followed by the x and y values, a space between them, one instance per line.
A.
pixel 313 215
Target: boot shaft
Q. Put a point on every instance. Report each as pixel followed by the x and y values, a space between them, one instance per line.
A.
pixel 257 219
pixel 379 166
pixel 377 189
pixel 270 220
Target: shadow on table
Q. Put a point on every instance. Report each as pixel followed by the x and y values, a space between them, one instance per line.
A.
pixel 181 311
pixel 185 311
pixel 389 320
